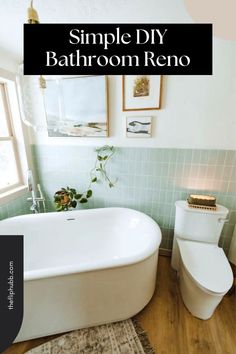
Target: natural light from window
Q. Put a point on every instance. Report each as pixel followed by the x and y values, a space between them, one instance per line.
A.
pixel 10 173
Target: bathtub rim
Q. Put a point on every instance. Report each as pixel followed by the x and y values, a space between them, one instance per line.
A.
pixel 39 274
pixel 31 275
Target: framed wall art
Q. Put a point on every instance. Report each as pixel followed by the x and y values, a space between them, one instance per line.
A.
pixel 138 127
pixel 141 92
pixel 77 106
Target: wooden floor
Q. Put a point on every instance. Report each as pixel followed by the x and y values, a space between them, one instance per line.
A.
pixel 171 328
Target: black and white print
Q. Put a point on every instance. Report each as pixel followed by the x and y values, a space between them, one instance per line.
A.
pixel 138 127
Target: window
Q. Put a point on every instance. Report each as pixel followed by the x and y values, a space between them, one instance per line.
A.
pixel 11 179
pixel 10 175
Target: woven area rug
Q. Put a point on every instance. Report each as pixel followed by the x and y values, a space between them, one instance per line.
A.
pixel 125 337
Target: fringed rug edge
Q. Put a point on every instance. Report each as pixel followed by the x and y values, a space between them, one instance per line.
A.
pixel 143 337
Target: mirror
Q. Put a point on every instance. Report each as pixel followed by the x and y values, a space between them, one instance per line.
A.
pixel 76 106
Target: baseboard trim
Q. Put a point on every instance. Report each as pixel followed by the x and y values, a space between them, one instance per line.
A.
pixel 164 252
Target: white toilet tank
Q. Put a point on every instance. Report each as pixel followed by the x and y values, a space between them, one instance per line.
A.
pixel 198 224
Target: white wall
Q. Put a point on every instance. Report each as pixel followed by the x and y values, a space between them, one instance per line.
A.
pixel 197 111
pixel 7 61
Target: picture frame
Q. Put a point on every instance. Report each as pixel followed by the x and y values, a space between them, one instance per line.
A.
pixel 141 92
pixel 138 126
pixel 77 106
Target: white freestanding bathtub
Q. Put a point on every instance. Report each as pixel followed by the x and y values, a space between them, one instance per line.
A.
pixel 84 268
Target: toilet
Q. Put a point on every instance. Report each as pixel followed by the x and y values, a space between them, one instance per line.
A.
pixel 204 272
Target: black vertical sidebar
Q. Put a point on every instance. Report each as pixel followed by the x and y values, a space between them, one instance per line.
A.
pixel 11 289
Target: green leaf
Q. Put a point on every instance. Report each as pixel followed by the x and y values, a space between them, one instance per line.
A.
pixel 73 204
pixel 103 154
pixel 89 193
pixel 78 196
pixel 57 198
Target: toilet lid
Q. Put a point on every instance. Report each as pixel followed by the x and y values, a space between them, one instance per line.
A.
pixel 207 264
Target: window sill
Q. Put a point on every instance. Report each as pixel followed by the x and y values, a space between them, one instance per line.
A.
pixel 8 196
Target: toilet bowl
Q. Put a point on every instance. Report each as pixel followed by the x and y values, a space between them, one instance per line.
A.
pixel 205 277
pixel 204 272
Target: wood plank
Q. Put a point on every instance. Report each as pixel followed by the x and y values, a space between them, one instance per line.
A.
pixel 173 330
pixel 169 325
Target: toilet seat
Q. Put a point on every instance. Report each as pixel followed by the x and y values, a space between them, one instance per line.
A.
pixel 207 265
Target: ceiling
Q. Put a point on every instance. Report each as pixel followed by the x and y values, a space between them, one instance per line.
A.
pixel 13 13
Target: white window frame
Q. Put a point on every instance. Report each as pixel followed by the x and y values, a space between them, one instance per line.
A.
pixel 16 135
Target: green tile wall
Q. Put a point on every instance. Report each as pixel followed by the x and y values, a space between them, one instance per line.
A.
pixel 149 180
pixel 18 206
